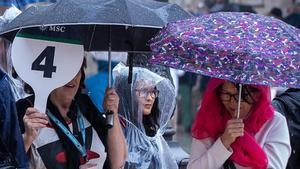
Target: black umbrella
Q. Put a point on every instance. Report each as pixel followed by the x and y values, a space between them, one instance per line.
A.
pixel 122 25
pixel 105 25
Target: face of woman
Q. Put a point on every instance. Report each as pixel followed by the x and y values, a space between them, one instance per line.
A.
pixel 67 92
pixel 145 98
pixel 229 97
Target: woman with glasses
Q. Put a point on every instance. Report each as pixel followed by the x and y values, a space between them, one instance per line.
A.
pixel 258 139
pixel 146 106
pixel 146 96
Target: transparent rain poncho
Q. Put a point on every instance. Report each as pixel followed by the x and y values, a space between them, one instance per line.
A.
pixel 16 84
pixel 147 148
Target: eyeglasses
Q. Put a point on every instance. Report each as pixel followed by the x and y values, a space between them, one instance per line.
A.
pixel 246 96
pixel 144 93
pixel 226 97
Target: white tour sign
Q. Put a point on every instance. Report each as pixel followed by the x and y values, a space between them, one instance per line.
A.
pixel 45 64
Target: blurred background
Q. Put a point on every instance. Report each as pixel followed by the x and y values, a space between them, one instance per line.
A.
pixel 189 86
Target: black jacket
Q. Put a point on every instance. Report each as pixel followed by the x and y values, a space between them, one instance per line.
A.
pixel 288 104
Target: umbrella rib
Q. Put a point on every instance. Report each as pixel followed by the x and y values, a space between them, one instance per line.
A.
pixel 92 37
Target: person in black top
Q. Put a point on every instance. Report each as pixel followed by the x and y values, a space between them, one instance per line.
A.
pixel 288 104
pixel 72 134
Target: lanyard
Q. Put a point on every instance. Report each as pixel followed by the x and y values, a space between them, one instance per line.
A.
pixel 80 122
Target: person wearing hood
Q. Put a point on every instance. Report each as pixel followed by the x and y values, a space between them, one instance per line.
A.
pixel 16 83
pixel 258 138
pixel 12 152
pixel 146 106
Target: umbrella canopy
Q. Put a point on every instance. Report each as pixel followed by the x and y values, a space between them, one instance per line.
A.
pixel 125 24
pixel 240 47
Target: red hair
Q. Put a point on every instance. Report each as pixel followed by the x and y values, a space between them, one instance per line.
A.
pixel 212 117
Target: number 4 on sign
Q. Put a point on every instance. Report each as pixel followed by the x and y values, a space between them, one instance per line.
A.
pixel 48 68
pixel 45 64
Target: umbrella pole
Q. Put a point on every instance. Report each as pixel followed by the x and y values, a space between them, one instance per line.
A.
pixel 239 101
pixel 109 65
pixel 109 59
pixel 109 113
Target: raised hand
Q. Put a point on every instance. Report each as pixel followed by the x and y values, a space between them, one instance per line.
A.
pixel 234 129
pixel 33 121
pixel 111 100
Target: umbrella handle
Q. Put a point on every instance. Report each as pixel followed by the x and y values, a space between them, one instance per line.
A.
pixel 239 101
pixel 109 119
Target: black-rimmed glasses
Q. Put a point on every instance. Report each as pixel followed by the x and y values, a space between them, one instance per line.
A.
pixel 226 97
pixel 245 97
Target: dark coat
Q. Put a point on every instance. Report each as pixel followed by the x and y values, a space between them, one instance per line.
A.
pixel 12 151
pixel 288 104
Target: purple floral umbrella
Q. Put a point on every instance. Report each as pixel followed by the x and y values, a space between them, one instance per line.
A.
pixel 241 47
